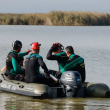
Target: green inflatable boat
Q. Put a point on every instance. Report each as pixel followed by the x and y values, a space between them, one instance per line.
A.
pixel 69 86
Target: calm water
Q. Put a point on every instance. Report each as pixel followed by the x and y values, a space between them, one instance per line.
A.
pixel 92 43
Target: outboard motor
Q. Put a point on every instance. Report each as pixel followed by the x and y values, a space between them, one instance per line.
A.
pixel 71 81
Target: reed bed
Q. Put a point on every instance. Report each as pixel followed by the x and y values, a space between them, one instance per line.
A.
pixel 57 18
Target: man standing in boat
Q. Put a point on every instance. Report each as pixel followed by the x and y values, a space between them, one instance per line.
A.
pixel 59 55
pixel 32 65
pixel 13 70
pixel 75 63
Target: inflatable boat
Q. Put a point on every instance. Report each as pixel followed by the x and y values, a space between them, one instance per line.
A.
pixel 69 86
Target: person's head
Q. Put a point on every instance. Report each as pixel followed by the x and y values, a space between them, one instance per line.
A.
pixel 35 47
pixel 20 61
pixel 69 50
pixel 17 45
pixel 58 48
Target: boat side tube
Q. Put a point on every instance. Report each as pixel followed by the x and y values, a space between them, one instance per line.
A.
pixel 98 90
pixel 23 88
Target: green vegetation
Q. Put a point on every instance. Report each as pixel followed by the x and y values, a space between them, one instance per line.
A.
pixel 57 18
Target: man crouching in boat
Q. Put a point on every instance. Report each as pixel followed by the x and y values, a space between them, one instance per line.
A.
pixel 59 55
pixel 75 63
pixel 13 70
pixel 32 65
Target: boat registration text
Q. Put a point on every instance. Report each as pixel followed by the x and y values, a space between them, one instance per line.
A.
pixel 8 86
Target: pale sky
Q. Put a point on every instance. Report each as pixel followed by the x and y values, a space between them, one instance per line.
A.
pixel 45 6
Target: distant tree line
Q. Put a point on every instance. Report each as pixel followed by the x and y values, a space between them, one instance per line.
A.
pixel 57 18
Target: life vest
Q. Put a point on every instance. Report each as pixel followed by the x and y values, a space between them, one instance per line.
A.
pixel 32 68
pixel 9 66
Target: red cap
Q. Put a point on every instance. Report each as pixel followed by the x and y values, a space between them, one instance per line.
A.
pixel 35 46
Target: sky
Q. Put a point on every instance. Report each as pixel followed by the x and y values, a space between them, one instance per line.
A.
pixel 45 6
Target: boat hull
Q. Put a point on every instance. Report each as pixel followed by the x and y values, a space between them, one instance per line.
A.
pixel 88 89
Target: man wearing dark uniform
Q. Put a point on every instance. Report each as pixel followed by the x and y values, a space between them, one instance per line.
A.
pixel 75 63
pixel 32 65
pixel 13 70
pixel 59 55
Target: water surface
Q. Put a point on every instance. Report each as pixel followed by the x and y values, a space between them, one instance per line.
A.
pixel 91 43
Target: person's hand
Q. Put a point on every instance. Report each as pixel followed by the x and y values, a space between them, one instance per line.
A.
pixel 54 47
pixel 47 73
pixel 47 76
pixel 28 51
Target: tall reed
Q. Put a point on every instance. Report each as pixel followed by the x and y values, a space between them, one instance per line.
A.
pixel 58 18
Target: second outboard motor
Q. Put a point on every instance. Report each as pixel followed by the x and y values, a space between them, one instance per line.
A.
pixel 72 82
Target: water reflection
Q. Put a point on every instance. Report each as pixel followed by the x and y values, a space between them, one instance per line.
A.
pixel 96 108
pixel 10 101
pixel 14 102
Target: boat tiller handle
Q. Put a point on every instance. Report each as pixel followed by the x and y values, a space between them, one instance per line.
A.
pixel 54 78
